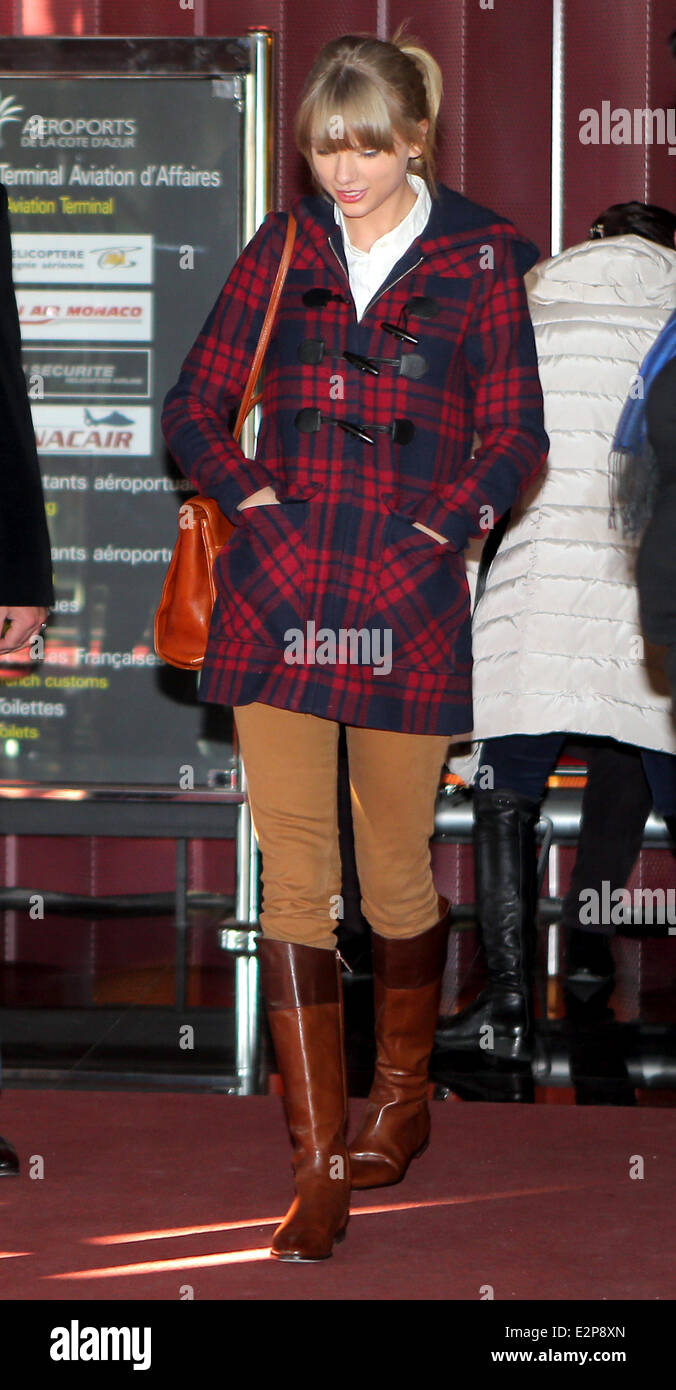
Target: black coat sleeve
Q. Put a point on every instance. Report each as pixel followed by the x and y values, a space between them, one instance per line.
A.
pixel 25 558
pixel 656 567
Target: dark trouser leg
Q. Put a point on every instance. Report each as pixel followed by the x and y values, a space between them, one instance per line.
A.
pixel 660 771
pixel 615 805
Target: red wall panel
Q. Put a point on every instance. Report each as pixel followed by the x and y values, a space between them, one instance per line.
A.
pixel 618 54
pixel 494 127
pixel 108 865
pixel 661 93
pixel 60 864
pixel 159 18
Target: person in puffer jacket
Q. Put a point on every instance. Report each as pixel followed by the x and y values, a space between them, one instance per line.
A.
pixel 557 641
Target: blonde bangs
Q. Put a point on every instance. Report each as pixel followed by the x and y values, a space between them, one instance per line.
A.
pixel 347 110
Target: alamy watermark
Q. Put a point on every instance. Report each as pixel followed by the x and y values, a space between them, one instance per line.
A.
pixel 621 906
pixel 85 1343
pixel 326 646
pixel 620 125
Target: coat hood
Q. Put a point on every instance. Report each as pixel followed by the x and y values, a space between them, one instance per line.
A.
pixel 455 224
pixel 618 270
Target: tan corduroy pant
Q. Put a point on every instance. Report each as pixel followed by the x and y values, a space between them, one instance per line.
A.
pixel 291 765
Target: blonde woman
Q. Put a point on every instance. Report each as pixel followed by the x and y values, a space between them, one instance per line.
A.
pixel 403 330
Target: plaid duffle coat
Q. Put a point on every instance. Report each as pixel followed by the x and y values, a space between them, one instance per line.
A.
pixel 333 603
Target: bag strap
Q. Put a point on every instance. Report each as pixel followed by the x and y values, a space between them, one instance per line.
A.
pixel 266 330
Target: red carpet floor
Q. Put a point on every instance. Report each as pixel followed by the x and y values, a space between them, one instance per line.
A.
pixel 144 1193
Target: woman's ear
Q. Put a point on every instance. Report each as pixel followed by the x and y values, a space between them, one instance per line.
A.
pixel 416 150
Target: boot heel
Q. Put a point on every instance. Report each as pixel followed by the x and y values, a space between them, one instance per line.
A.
pixel 297 1259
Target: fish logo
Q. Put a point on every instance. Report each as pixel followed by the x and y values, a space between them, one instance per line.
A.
pixel 8 112
pixel 114 418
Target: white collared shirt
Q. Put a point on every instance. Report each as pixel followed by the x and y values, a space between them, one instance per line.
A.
pixel 369 269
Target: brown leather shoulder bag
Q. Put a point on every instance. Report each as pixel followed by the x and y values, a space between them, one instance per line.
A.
pixel 183 616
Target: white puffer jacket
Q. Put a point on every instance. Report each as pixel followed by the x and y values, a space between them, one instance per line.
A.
pixel 556 636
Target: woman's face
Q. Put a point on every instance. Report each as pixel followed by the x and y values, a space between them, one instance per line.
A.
pixel 366 182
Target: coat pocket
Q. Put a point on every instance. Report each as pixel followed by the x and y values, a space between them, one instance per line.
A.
pixel 260 575
pixel 421 602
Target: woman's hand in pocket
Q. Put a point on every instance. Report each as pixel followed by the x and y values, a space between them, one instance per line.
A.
pixel 265 497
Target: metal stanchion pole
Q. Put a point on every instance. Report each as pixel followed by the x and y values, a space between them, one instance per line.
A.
pixel 240 939
pixel 246 966
pixel 258 175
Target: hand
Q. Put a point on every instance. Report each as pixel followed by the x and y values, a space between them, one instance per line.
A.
pixel 24 623
pixel 265 497
pixel 434 534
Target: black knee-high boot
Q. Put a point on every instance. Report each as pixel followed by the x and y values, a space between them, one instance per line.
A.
pixel 500 1020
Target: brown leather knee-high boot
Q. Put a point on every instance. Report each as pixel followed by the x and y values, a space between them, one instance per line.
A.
pixel 302 989
pixel 407 984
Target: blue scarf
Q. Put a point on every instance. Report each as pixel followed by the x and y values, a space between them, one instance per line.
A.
pixel 634 472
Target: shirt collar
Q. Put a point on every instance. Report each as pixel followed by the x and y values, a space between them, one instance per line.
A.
pixel 413 224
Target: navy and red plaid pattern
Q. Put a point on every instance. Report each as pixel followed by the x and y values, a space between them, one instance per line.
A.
pixel 341 551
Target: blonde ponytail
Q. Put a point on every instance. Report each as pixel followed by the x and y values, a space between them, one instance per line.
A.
pixel 432 75
pixel 434 86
